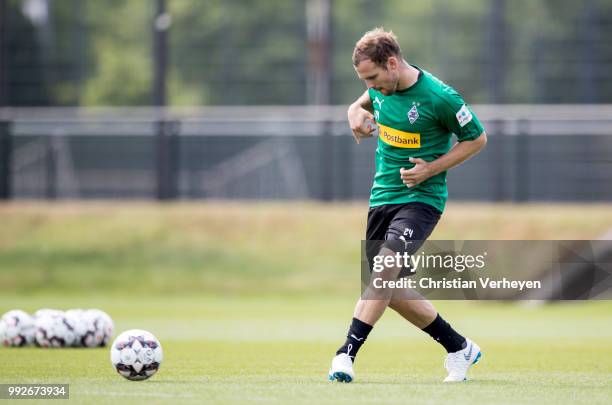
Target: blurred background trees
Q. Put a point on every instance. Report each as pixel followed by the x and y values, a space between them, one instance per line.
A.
pixel 240 52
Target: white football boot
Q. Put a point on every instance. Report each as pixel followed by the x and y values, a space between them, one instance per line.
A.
pixel 458 363
pixel 341 369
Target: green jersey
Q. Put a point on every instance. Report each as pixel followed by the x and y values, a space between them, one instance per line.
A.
pixel 417 122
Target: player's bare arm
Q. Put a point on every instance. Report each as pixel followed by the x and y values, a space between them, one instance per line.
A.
pixel 358 114
pixel 423 170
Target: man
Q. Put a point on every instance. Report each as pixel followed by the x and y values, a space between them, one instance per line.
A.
pixel 416 115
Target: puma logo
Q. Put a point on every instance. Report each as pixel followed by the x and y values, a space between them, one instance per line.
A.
pixel 348 351
pixel 379 102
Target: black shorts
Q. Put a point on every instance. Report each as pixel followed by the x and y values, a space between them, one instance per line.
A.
pixel 399 227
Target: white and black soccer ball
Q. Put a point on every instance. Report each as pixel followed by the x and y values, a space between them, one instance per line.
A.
pixel 83 324
pixel 136 354
pixel 16 328
pixel 53 329
pixel 74 318
pixel 99 328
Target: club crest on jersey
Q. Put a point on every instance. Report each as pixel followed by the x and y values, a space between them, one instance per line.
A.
pixel 413 114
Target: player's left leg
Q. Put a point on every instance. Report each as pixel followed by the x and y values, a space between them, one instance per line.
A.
pixel 417 222
pixel 462 353
pixel 416 310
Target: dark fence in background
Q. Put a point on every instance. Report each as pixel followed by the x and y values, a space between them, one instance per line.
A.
pixel 545 153
pixel 294 52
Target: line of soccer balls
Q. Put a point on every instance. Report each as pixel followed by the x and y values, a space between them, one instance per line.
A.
pixel 54 328
pixel 135 354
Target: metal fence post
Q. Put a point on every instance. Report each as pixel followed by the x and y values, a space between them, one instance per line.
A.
pixel 498 161
pixel 161 25
pixel 345 169
pixel 521 163
pixel 50 169
pixel 4 58
pixel 167 159
pixel 327 162
pixel 5 160
pixel 496 49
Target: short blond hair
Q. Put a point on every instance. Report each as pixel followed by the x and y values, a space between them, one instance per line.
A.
pixel 377 45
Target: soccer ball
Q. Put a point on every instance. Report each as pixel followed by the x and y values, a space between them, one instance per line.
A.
pixel 53 329
pixel 74 319
pixel 92 327
pixel 136 354
pixel 100 324
pixel 82 327
pixel 16 328
pixel 50 329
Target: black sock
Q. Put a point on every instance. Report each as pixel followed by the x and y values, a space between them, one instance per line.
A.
pixel 356 336
pixel 443 333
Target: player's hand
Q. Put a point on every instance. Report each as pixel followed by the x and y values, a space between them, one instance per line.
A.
pixel 418 174
pixel 361 122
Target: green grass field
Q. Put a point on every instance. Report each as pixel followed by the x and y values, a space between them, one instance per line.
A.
pixel 250 302
pixel 277 351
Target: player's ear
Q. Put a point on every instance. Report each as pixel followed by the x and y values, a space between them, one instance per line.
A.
pixel 391 63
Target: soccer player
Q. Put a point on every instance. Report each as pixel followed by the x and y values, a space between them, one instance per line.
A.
pixel 416 115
